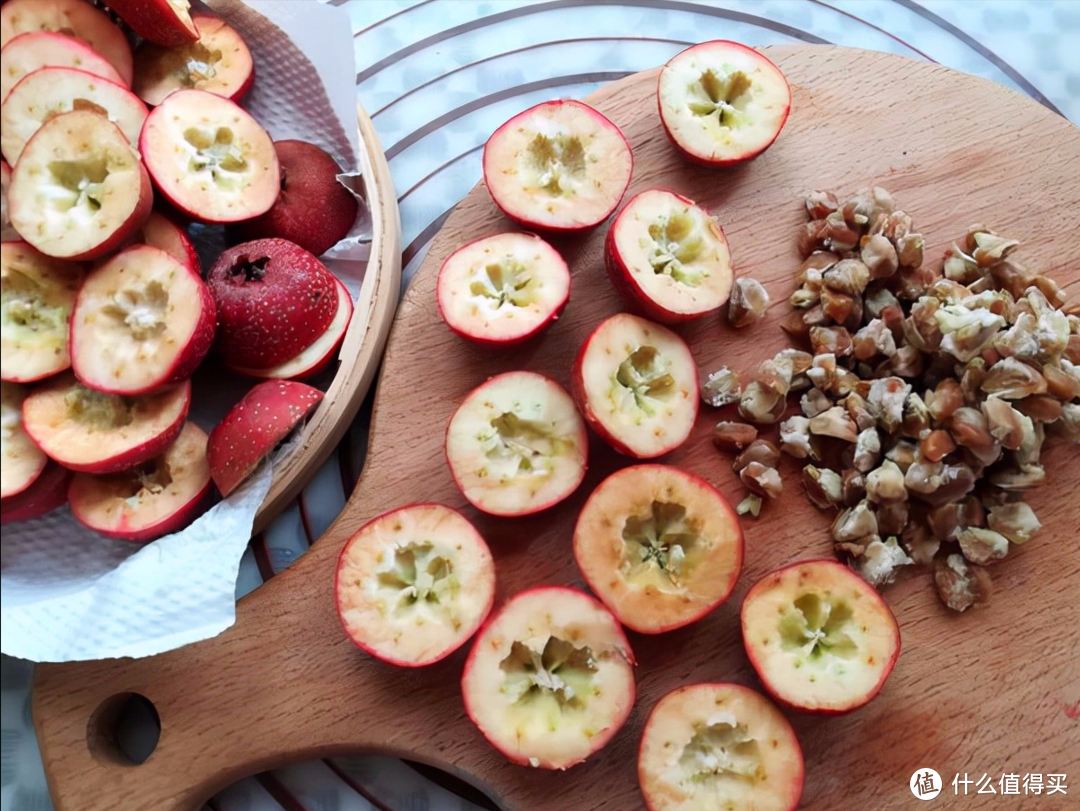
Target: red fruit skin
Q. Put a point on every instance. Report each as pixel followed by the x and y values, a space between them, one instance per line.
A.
pixel 382 657
pixel 577 391
pixel 201 340
pixel 279 312
pixel 313 209
pixel 321 363
pixel 254 427
pixel 603 739
pixel 135 456
pixel 641 744
pixel 823 711
pixel 524 222
pixel 698 159
pixel 178 520
pixel 162 232
pixel 154 20
pixel 47 492
pixel 621 279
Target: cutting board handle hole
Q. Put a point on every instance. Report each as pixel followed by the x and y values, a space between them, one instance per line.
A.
pixel 124 730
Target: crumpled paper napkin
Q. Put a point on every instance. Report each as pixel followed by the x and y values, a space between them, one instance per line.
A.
pixel 68 594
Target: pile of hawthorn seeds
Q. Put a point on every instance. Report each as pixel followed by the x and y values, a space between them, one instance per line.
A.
pixel 925 396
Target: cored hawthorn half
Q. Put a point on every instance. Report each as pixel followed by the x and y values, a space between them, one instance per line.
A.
pixel 636 383
pixel 659 546
pixel 669 257
pixel 722 102
pixel 819 636
pixel 558 166
pixel 719 746
pixel 414 584
pixel 516 445
pixel 550 678
pixel 503 289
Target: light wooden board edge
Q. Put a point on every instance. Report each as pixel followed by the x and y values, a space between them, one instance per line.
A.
pixel 364 340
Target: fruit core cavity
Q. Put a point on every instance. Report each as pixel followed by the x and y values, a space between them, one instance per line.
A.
pixel 193 64
pixel 217 152
pixel 721 749
pixel 723 96
pixel 506 282
pixel 99 410
pixel 522 445
pixel 560 672
pixel 644 375
pixel 148 479
pixel 675 242
pixel 662 538
pixel 419 576
pixel 82 182
pixel 23 305
pixel 559 162
pixel 817 624
pixel 140 309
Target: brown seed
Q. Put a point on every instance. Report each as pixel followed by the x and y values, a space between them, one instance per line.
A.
pixel 1016 521
pixel 820 204
pixel 982 546
pixel 839 307
pixel 763 480
pixel 812 237
pixel 936 445
pixel 879 256
pixel 854 486
pixel 948 396
pixel 1005 423
pixel 731 436
pixel 1060 384
pixel 761 451
pixel 835 422
pixel 848 276
pixel 748 302
pixel 854 523
pixel 892 518
pixel 960 584
pixel 1013 380
pixel 824 487
pixel 830 340
pixel 1041 407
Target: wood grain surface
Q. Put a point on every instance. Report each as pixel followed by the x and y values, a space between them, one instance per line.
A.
pixel 986 692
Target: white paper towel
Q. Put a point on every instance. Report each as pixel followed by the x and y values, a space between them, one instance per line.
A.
pixel 68 594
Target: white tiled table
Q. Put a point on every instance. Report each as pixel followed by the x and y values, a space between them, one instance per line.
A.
pixel 437 78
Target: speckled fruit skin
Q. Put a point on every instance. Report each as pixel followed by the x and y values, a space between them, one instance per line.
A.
pixel 253 428
pixel 155 20
pixel 313 210
pixel 274 299
pixel 48 491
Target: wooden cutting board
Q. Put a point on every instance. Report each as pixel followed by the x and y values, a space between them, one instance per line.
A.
pixel 994 691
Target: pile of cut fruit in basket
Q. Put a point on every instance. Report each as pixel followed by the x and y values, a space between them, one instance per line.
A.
pixel 111 152
pixel 925 400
